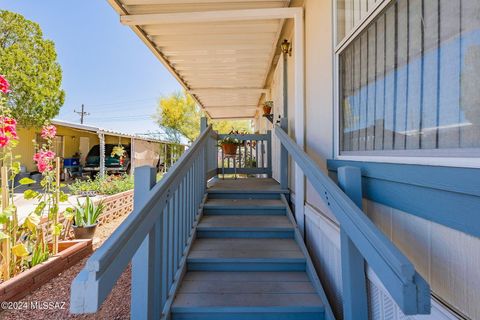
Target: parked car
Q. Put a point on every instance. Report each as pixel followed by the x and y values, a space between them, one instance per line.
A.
pixel 113 163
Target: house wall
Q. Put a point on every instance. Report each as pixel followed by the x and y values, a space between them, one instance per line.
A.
pixel 26 148
pixel 71 139
pixel 443 256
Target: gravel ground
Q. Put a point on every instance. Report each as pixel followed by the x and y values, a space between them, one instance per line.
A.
pixel 116 306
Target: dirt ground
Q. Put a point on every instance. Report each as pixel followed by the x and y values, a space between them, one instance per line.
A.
pixel 57 292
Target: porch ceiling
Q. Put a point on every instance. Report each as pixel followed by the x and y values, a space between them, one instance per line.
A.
pixel 222 61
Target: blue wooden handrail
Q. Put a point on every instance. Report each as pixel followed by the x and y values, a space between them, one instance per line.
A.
pixel 409 290
pixel 156 235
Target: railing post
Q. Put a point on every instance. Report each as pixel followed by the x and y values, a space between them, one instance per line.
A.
pixel 283 158
pixel 355 304
pixel 145 294
pixel 269 153
pixel 203 127
pixel 203 124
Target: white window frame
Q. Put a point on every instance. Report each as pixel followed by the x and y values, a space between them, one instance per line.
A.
pixel 467 162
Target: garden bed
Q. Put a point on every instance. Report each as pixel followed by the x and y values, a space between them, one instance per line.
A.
pixel 116 305
pixel 70 252
pixel 116 205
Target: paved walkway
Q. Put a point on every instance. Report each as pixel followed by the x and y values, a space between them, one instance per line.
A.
pixel 25 207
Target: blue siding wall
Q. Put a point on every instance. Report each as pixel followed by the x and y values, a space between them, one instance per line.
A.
pixel 446 195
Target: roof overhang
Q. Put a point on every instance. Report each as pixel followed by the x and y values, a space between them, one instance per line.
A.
pixel 220 51
pixel 98 130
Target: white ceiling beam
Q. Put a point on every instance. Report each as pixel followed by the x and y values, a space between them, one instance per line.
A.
pixel 220 78
pixel 257 36
pixel 227 90
pixel 261 46
pixel 213 70
pixel 221 82
pixel 180 2
pixel 210 16
pixel 220 67
pixel 234 117
pixel 200 53
pixel 221 59
pixel 217 28
pixel 214 43
pixel 231 106
pixel 242 108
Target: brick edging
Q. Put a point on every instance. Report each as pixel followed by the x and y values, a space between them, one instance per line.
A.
pixel 23 284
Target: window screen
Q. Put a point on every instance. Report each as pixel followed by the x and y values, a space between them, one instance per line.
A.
pixel 411 81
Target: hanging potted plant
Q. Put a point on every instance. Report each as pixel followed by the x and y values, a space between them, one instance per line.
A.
pixel 118 151
pixel 85 218
pixel 267 107
pixel 229 145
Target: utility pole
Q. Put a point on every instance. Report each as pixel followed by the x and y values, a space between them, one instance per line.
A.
pixel 82 114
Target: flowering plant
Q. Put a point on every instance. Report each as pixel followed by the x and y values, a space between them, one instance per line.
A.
pixel 48 132
pixel 44 160
pixel 229 139
pixel 118 151
pixel 4 85
pixel 9 235
pixel 25 243
pixel 268 103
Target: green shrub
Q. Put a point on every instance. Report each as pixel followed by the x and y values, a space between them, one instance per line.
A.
pixel 108 185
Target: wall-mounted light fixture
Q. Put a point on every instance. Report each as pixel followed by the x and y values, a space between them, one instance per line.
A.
pixel 286 47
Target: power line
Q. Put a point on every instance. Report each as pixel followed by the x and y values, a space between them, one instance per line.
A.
pixel 122 102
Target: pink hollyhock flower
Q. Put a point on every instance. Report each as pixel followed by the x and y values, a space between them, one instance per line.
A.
pixel 44 160
pixel 4 140
pixel 9 125
pixel 49 132
pixel 4 85
pixel 49 155
pixel 9 121
pixel 42 167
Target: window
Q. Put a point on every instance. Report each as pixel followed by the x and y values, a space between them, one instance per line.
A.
pixel 350 13
pixel 409 83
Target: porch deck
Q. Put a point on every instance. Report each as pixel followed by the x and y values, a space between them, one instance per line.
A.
pixel 246 261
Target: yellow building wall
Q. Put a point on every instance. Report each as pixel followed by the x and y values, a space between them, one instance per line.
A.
pixel 26 147
pixel 71 142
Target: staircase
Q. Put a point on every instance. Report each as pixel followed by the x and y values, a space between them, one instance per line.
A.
pixel 241 256
pixel 246 262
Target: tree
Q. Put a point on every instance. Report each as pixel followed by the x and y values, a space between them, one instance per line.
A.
pixel 30 63
pixel 225 126
pixel 179 116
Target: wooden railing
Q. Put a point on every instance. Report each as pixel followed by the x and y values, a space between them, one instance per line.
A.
pixel 155 237
pixel 254 155
pixel 361 240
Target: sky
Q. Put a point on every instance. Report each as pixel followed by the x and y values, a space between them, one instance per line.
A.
pixel 105 65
